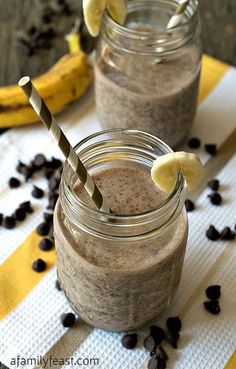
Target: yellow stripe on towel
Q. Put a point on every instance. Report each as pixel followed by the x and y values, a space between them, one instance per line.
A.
pixel 17 277
pixel 232 362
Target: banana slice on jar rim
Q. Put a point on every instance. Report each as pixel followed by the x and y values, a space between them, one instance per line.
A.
pixel 94 9
pixel 166 168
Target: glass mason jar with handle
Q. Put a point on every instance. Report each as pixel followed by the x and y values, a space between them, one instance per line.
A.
pixel 147 77
pixel 120 270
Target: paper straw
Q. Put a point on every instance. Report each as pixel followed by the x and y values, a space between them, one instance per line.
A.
pixel 176 18
pixel 47 118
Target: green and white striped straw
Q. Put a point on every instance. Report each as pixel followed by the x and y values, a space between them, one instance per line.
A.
pixel 48 119
pixel 179 12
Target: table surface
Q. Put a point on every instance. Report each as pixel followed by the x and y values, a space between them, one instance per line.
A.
pixel 218 32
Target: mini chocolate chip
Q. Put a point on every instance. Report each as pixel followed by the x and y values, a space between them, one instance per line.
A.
pixel 43 229
pixel 28 172
pixel 57 285
pixel 39 265
pixel 54 163
pixel 46 18
pixel 212 306
pixel 48 217
pixel 52 201
pixel 53 183
pixel 46 244
pixel 48 173
pixel 211 149
pixel 215 198
pixel 20 214
pixel 39 160
pixel 152 363
pixel 214 184
pixel 213 292
pixel 172 338
pixel 37 192
pixel 9 222
pixel 149 343
pixel 189 205
pixel 174 324
pixel 212 233
pixel 14 182
pixel 194 143
pixel 161 353
pixel 227 234
pixel 161 364
pixel 157 333
pixel 129 341
pixel 20 166
pixel 26 206
pixel 68 320
pixel 1 218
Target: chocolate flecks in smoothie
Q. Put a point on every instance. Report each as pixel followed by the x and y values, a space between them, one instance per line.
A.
pixel 127 191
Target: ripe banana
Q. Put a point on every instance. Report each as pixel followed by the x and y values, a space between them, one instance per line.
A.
pixel 62 84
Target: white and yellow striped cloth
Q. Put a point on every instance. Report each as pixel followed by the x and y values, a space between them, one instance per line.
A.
pixel 30 306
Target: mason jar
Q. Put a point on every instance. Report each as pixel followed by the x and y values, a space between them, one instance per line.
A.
pixel 147 77
pixel 119 271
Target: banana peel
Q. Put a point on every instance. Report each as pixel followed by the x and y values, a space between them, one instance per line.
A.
pixel 61 85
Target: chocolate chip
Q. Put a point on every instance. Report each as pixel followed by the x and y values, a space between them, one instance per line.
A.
pixel 52 201
pixel 48 173
pixel 215 198
pixel 43 229
pixel 212 233
pixel 32 30
pixel 54 163
pixel 39 265
pixel 57 285
pixel 46 18
pixel 212 306
pixel 37 192
pixel 174 324
pixel 46 244
pixel 211 149
pixel 20 214
pixel 28 172
pixel 48 217
pixel 189 205
pixel 194 143
pixel 149 343
pixel 157 333
pixel 213 292
pixel 161 353
pixel 172 338
pixel 26 206
pixel 214 184
pixel 68 320
pixel 129 341
pixel 53 183
pixel 14 182
pixel 152 363
pixel 1 218
pixel 227 234
pixel 9 222
pixel 39 160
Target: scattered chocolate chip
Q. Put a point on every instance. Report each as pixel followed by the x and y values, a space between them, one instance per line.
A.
pixel 227 235
pixel 129 341
pixel 51 232
pixel 189 205
pixel 194 143
pixel 32 30
pixel 20 214
pixel 214 184
pixel 149 343
pixel 14 182
pixel 211 149
pixel 174 324
pixel 54 163
pixel 43 229
pixel 68 320
pixel 48 173
pixel 213 292
pixel 215 198
pixel 26 206
pixel 1 218
pixel 53 183
pixel 39 160
pixel 161 364
pixel 161 353
pixel 37 192
pixel 9 222
pixel 39 265
pixel 52 201
pixel 57 285
pixel 212 306
pixel 48 217
pixel 152 363
pixel 46 18
pixel 212 233
pixel 28 172
pixel 20 166
pixel 46 244
pixel 172 338
pixel 157 333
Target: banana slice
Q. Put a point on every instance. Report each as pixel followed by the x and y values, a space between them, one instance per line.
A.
pixel 117 10
pixel 93 12
pixel 165 170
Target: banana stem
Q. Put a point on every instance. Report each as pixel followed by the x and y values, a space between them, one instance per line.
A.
pixel 73 41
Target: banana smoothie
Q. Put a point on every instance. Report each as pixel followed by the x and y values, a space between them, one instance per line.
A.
pixel 116 276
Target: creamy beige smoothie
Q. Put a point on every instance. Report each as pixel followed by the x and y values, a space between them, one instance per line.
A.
pixel 118 283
